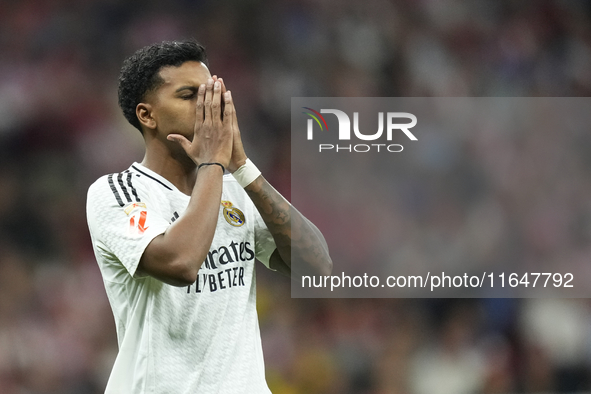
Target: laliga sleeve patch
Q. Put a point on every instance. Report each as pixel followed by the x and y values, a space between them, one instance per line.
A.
pixel 138 215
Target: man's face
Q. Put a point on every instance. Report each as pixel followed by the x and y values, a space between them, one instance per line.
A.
pixel 174 101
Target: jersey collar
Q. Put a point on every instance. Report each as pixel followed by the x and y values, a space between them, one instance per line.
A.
pixel 151 174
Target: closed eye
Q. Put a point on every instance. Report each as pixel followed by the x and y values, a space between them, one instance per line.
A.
pixel 188 96
pixel 187 92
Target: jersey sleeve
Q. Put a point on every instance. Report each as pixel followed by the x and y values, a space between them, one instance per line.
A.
pixel 264 244
pixel 121 229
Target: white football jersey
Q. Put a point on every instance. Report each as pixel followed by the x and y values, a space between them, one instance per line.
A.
pixel 202 338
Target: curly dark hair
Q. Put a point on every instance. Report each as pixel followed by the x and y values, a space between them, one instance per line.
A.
pixel 140 72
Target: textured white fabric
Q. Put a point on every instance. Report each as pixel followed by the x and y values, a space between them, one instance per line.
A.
pixel 203 338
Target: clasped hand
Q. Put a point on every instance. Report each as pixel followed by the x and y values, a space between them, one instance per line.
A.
pixel 216 136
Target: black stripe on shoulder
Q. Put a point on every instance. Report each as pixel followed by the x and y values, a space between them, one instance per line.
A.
pixel 114 190
pixel 123 188
pixel 151 177
pixel 137 199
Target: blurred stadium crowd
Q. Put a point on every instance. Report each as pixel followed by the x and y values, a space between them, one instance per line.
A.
pixel 60 129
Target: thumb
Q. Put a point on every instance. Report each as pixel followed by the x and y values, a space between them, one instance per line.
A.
pixel 180 139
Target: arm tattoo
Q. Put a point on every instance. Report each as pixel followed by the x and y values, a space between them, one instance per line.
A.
pixel 294 235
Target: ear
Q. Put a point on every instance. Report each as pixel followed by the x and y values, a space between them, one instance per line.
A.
pixel 143 112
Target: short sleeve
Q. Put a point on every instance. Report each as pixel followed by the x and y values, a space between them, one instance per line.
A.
pixel 121 231
pixel 264 242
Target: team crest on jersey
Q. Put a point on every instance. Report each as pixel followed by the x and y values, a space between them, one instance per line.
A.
pixel 233 215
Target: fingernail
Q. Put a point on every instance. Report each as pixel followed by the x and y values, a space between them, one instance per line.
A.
pixel 209 82
pixel 201 87
pixel 217 84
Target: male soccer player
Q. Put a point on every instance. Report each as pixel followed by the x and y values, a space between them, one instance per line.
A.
pixel 176 239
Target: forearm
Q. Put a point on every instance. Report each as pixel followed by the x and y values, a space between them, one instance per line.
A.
pixel 295 236
pixel 191 235
pixel 176 256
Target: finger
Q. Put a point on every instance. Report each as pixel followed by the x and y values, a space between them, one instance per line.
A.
pixel 228 109
pixel 234 117
pixel 199 105
pixel 223 85
pixel 223 93
pixel 216 104
pixel 181 140
pixel 215 78
pixel 208 100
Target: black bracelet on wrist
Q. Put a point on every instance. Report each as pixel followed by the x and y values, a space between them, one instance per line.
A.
pixel 211 164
